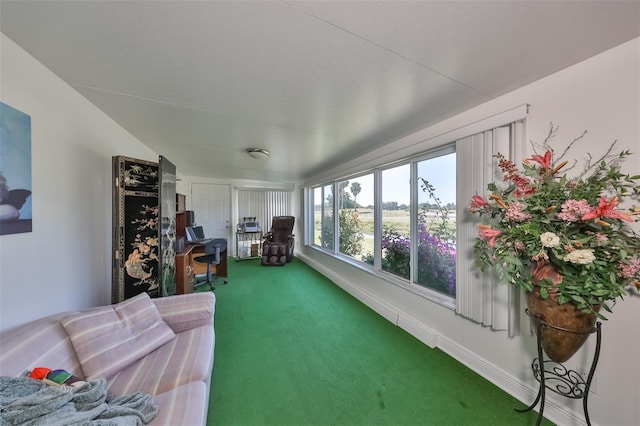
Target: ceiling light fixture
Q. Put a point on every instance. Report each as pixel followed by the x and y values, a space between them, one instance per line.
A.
pixel 258 153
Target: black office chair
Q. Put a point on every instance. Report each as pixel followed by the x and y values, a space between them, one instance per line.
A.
pixel 213 251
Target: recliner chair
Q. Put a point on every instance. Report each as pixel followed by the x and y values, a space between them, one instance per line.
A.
pixel 277 248
pixel 213 251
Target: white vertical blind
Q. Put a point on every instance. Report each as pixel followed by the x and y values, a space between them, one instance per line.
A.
pixel 263 205
pixel 481 296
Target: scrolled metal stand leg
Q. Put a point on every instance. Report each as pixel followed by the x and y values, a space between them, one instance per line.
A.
pixel 592 371
pixel 541 391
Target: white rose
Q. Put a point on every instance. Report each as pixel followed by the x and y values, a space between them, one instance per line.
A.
pixel 581 257
pixel 549 239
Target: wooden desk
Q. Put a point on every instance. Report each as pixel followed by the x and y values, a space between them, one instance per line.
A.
pixel 185 275
pixel 187 268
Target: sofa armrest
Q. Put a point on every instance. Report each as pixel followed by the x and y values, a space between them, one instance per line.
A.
pixel 186 311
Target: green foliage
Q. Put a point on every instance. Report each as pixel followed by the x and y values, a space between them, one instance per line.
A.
pixel 436 249
pixel 355 190
pixel 441 226
pixel 351 234
pixel 573 223
pixel 390 205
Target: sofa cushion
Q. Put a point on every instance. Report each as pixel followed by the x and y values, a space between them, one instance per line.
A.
pixel 187 358
pixel 187 311
pixel 184 405
pixel 109 338
pixel 40 343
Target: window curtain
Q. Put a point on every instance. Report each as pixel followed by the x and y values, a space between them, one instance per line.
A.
pixel 263 205
pixel 481 296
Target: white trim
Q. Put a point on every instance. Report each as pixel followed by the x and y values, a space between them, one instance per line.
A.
pixel 419 330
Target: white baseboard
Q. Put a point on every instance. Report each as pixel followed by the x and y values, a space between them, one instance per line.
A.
pixel 419 330
pixel 554 411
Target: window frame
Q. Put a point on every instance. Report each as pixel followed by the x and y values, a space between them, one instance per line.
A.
pixel 406 283
pixel 337 182
pixel 477 301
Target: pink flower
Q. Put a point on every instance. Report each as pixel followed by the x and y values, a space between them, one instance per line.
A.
pixel 515 213
pixel 572 210
pixel 478 202
pixel 490 234
pixel 544 161
pixel 629 270
pixel 606 209
pixel 600 238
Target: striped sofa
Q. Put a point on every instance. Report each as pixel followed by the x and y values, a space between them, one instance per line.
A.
pixel 168 353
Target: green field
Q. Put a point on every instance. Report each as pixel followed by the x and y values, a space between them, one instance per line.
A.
pixel 397 219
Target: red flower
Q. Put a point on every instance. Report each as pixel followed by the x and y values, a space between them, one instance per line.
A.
pixel 478 202
pixel 488 233
pixel 544 161
pixel 606 209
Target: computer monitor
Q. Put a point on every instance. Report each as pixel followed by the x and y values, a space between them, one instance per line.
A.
pixel 194 233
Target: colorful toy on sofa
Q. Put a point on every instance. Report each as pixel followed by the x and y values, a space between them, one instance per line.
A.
pixel 56 377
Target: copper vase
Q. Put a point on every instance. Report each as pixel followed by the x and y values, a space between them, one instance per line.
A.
pixel 559 345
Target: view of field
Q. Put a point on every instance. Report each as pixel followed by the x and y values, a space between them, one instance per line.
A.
pixel 397 219
pixel 434 240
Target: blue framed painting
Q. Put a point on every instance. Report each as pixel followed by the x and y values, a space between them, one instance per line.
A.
pixel 15 171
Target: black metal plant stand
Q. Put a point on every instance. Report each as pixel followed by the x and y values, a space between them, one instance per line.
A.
pixel 556 377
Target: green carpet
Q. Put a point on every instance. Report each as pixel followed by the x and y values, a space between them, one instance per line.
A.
pixel 292 348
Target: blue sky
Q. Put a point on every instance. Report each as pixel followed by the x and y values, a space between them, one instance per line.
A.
pixel 439 171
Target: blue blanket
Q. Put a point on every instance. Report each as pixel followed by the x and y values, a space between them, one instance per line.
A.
pixel 25 401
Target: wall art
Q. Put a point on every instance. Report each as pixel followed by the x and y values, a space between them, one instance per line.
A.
pixel 15 171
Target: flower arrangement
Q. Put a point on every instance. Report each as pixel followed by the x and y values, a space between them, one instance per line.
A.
pixel 540 215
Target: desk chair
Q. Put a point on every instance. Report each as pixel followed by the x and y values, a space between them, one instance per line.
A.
pixel 212 250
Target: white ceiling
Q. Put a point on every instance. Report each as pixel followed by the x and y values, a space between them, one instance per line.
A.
pixel 314 82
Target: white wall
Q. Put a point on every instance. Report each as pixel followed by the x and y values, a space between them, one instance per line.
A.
pixel 65 263
pixel 601 95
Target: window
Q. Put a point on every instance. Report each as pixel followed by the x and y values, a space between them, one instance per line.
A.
pixel 318 205
pixel 436 224
pixel 327 224
pixel 395 243
pixel 430 263
pixel 356 217
pixel 415 232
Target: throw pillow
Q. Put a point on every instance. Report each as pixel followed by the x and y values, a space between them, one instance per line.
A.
pixel 109 338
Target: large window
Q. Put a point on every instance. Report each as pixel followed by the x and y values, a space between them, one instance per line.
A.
pixel 406 221
pixel 430 220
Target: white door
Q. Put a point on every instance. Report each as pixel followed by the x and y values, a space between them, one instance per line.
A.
pixel 211 204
